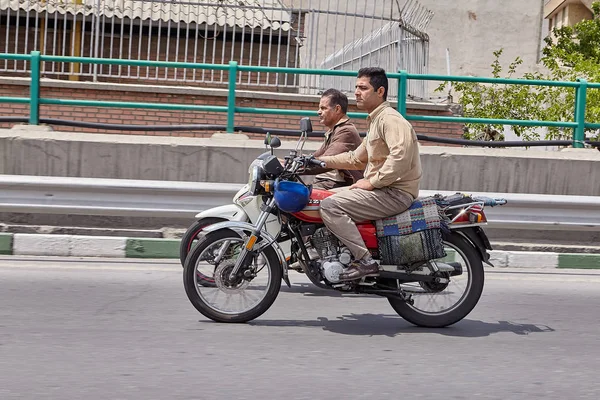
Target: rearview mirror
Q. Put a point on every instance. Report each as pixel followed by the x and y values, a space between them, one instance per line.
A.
pixel 275 142
pixel 305 125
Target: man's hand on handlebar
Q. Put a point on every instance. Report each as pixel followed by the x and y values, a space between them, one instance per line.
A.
pixel 315 162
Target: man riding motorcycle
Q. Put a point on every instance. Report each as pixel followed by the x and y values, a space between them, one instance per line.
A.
pixel 340 137
pixel 391 180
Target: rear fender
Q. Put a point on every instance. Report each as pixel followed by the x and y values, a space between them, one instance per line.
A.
pixel 245 229
pixel 477 237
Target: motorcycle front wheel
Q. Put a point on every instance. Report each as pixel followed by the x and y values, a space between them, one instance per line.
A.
pixel 436 307
pixel 242 299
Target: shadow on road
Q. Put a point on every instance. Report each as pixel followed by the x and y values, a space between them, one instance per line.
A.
pixel 392 325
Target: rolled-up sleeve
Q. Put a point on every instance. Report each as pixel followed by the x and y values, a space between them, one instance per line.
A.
pixel 400 139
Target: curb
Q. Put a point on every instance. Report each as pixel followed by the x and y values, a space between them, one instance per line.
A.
pixel 26 244
pixel 536 259
pixel 29 244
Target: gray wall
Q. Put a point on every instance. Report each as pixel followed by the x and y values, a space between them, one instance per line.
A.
pixel 31 152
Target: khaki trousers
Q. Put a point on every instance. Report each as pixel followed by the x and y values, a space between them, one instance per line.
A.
pixel 340 211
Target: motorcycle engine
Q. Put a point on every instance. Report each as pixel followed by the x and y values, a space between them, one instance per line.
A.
pixel 334 258
pixel 332 270
pixel 325 243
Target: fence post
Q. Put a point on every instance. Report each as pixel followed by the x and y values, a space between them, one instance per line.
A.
pixel 233 67
pixel 34 89
pixel 580 103
pixel 402 92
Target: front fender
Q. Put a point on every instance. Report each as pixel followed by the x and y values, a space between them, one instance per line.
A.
pixel 231 212
pixel 245 228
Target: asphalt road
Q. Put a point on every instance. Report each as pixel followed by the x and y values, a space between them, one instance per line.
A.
pixel 122 329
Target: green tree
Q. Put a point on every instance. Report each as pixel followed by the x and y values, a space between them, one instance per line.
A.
pixel 572 53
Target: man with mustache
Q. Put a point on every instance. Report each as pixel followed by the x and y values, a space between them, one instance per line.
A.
pixel 341 136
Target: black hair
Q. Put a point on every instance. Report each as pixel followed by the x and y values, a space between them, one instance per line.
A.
pixel 377 78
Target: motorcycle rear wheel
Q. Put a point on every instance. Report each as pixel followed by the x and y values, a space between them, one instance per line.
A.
pixel 467 302
pixel 190 239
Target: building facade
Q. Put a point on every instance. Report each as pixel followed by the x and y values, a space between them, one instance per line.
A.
pixel 561 13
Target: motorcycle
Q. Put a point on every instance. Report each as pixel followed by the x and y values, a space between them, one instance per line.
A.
pixel 431 274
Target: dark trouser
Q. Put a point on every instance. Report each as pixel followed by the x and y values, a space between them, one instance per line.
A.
pixel 328 184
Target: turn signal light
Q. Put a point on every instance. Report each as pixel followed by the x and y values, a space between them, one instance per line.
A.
pixel 267 185
pixel 251 242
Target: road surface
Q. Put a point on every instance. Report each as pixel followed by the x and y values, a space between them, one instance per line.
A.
pixel 123 329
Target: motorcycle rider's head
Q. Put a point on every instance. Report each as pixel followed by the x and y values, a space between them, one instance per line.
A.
pixel 371 88
pixel 332 107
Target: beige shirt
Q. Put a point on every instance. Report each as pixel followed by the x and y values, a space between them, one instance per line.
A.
pixel 390 152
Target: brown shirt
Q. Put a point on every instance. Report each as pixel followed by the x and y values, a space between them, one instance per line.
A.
pixel 342 138
pixel 390 152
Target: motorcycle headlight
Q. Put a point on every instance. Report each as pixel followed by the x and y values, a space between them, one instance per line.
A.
pixel 258 162
pixel 256 175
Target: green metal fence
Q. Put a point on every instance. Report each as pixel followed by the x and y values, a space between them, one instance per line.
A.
pixel 35 58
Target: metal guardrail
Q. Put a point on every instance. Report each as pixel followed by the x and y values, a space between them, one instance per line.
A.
pixel 142 198
pixel 110 197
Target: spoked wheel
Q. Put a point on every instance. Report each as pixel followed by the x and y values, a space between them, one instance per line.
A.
pixel 241 299
pixel 190 239
pixel 443 303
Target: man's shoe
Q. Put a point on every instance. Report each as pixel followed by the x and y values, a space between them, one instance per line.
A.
pixel 359 270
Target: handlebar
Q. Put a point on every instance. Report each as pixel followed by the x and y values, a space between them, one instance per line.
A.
pixel 314 161
pixel 301 162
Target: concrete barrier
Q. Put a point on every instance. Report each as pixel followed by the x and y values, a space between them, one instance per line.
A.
pixel 36 151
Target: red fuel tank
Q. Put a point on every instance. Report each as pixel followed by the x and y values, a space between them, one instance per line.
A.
pixel 311 213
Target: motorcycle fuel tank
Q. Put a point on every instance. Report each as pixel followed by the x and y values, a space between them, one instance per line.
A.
pixel 311 213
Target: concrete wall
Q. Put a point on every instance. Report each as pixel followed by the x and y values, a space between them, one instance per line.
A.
pixel 30 152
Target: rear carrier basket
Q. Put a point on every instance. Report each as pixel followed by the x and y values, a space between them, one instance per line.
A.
pixel 413 236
